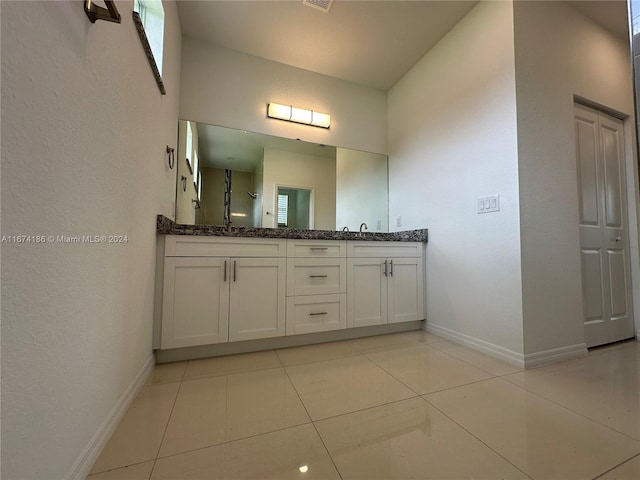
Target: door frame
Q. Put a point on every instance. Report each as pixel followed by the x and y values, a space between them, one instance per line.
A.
pixel 312 203
pixel 632 166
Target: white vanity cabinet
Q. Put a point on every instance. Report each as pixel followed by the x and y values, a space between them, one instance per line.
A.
pixel 221 289
pixel 218 289
pixel 384 283
pixel 316 286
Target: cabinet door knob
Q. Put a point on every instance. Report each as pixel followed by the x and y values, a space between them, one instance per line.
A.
pixel 618 238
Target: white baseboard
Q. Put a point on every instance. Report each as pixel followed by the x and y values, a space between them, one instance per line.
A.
pixel 509 356
pixel 529 360
pixel 555 355
pixel 83 464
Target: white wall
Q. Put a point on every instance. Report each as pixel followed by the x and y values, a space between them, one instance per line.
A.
pixel 452 139
pixel 185 208
pixel 84 134
pixel 227 88
pixel 361 190
pixel 290 169
pixel 559 53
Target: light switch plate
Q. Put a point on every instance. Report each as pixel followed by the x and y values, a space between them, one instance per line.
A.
pixel 489 204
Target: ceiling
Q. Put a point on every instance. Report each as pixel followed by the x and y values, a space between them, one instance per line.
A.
pixel 372 43
pixel 241 150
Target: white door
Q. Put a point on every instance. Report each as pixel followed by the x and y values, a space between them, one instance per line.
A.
pixel 366 292
pixel 257 298
pixel 604 242
pixel 405 290
pixel 195 305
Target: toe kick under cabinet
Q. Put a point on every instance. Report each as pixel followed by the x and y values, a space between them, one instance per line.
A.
pixel 228 289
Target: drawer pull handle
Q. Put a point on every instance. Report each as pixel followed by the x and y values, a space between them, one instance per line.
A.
pixel 318 313
pixel 385 268
pixel 225 270
pixel 318 248
pixel 391 267
pixel 318 276
pixel 235 276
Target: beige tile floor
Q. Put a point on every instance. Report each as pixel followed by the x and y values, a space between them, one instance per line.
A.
pixel 400 406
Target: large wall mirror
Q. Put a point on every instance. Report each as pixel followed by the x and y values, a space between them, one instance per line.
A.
pixel 227 176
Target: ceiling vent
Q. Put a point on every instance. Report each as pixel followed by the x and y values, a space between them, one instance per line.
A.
pixel 323 5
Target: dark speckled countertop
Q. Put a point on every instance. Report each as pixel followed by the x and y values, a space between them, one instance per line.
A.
pixel 165 226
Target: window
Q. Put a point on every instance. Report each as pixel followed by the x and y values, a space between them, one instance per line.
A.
pixel 150 25
pixel 283 207
pixel 196 173
pixel 189 150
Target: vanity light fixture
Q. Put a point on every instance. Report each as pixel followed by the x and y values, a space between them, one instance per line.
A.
pixel 298 115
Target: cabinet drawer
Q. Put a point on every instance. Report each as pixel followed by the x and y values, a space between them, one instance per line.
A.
pixel 316 313
pixel 316 248
pixel 384 249
pixel 316 276
pixel 193 246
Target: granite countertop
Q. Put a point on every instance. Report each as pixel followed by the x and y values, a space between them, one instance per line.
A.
pixel 165 226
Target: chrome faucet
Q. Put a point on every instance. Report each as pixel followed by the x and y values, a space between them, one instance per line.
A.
pixel 345 229
pixel 363 225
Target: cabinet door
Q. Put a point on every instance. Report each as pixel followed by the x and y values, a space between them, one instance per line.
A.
pixel 366 292
pixel 405 289
pixel 195 304
pixel 257 298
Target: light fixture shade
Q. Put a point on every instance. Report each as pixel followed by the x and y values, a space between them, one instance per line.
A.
pixel 281 112
pixel 321 119
pixel 298 115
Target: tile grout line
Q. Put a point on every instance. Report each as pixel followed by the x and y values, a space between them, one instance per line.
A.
pixel 555 402
pixel 475 366
pixel 434 391
pixel 313 423
pixel 477 438
pixel 226 442
pixel 164 434
pixel 117 468
pixel 637 455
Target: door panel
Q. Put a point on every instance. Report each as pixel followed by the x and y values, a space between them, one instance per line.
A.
pixel 592 285
pixel 617 283
pixel 366 292
pixel 587 170
pixel 257 298
pixel 195 302
pixel 405 290
pixel 612 176
pixel 606 276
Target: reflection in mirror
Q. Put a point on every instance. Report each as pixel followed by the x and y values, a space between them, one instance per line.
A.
pixel 295 208
pixel 325 187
